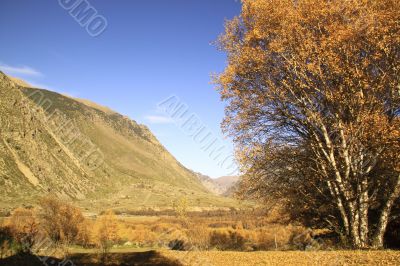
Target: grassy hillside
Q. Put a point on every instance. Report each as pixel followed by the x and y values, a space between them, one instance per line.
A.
pixel 76 149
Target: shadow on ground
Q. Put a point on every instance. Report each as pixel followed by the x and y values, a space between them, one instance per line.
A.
pixel 132 259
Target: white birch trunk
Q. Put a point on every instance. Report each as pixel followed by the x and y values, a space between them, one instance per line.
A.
pixel 378 238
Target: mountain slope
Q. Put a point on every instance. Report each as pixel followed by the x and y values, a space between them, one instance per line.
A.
pixel 225 185
pixel 50 143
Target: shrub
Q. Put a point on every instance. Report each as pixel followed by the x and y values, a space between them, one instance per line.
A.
pixel 83 237
pixel 6 242
pixel 24 228
pixel 199 237
pixel 230 240
pixel 61 221
pixel 177 244
pixel 274 237
pixel 303 239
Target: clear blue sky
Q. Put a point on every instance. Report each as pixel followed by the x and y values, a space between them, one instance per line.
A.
pixel 151 49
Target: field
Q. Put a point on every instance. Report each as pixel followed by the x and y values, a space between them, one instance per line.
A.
pixel 223 258
pixel 178 237
pixel 218 258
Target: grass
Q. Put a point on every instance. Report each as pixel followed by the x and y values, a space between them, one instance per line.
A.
pixel 81 250
pixel 152 258
pixel 284 258
pixel 223 258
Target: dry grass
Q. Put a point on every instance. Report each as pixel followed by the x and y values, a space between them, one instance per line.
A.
pixel 223 258
pixel 216 258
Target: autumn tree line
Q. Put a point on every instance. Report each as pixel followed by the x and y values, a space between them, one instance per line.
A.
pixel 313 104
pixel 52 227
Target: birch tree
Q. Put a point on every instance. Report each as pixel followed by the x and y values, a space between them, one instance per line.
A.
pixel 313 93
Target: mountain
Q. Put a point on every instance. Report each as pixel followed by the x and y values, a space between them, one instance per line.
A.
pixel 229 184
pixel 210 184
pixel 79 150
pixel 225 185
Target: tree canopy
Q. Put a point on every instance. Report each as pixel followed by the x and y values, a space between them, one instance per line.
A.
pixel 313 93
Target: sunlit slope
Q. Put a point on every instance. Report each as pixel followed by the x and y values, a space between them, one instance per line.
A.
pixel 52 143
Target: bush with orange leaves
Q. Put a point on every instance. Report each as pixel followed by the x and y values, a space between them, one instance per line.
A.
pixel 84 237
pixel 24 227
pixel 61 221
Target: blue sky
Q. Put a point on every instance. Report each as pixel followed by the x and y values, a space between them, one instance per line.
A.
pixel 149 51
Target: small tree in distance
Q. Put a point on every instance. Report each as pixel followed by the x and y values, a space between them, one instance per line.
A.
pixel 181 207
pixel 106 232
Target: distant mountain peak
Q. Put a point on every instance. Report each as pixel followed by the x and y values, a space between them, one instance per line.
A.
pixel 219 186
